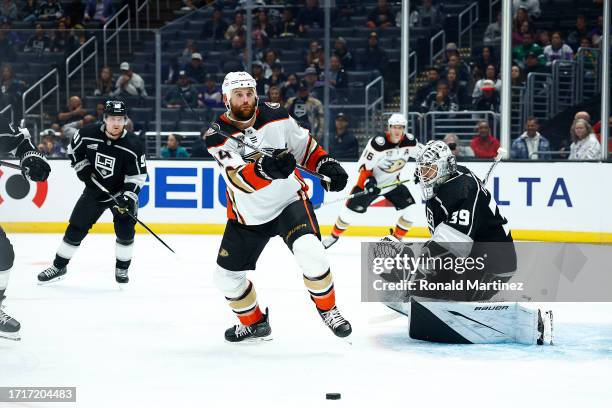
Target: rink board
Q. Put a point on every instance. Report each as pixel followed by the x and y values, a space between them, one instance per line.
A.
pixel 556 201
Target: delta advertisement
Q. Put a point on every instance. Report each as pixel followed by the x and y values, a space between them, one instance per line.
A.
pixel 542 201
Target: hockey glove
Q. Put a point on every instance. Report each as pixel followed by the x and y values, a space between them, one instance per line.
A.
pixel 280 165
pixel 128 201
pixel 371 187
pixel 331 168
pixel 34 166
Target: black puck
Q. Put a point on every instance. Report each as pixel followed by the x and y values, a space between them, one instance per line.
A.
pixel 332 396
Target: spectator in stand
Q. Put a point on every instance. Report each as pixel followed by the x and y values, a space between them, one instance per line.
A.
pixel 531 145
pixel 343 144
pixel 581 31
pixel 195 69
pixel 263 24
pixel 463 72
pixel 237 27
pixel 104 84
pixel 543 38
pixel 183 91
pixel 277 78
pixel 69 129
pixel 99 112
pixel 491 75
pixel 440 100
pixel 485 58
pixel 427 15
pixel 257 71
pixel 345 11
pixel 76 111
pixel 532 7
pixel 290 87
pixel 11 89
pixel 493 33
pixel 215 28
pixel 238 46
pixel 129 82
pixel 63 40
pixel 261 45
pixel 307 111
pixel 532 64
pixel 517 76
pixel 454 144
pixel 590 57
pixel 287 27
pixel 199 148
pixel 313 53
pixel 8 9
pixel 190 48
pixel 433 76
pixel 310 16
pixel 311 78
pixel 338 77
pixel 381 16
pixel 596 32
pixel 450 50
pixel 484 144
pixel 75 12
pixel 8 49
pixel 275 95
pixel 489 97
pixel 99 10
pixel 375 55
pixel 518 26
pixel 50 10
pixel 39 42
pixel 342 51
pixel 557 50
pixel 210 95
pixel 49 146
pixel 585 145
pixel 173 148
pixel 270 58
pixel 520 53
pixel 457 91
pixel 28 11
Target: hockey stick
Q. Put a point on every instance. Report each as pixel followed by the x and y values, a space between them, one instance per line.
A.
pixel 10 165
pixel 360 193
pixel 101 187
pixel 500 153
pixel 217 129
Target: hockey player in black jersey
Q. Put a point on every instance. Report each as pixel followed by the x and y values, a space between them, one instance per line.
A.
pixel 464 222
pixel 115 158
pixel 16 140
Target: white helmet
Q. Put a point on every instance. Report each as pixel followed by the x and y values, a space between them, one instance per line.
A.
pixel 235 80
pixel 434 166
pixel 397 119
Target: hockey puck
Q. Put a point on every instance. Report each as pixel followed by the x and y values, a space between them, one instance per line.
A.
pixel 332 396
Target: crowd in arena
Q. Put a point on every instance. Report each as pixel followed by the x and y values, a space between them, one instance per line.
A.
pixel 463 79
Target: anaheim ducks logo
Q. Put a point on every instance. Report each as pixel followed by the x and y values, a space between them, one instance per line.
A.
pixel 223 253
pixel 393 166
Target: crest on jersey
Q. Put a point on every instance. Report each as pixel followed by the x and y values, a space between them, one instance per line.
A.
pixel 273 105
pixel 392 166
pixel 379 140
pixel 105 165
pixel 299 110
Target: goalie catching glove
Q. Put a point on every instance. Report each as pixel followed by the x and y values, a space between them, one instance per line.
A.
pixel 34 166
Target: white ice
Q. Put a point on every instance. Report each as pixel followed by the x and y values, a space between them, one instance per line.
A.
pixel 159 343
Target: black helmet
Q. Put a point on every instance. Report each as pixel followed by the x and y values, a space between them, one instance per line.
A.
pixel 115 108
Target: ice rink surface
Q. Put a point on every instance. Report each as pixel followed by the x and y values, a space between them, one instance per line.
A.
pixel 159 343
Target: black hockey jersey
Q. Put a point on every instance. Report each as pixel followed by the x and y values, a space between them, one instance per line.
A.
pixel 119 165
pixel 12 141
pixel 464 204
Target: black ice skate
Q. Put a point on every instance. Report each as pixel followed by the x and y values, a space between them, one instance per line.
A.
pixel 121 276
pixel 260 331
pixel 9 327
pixel 329 241
pixel 334 320
pixel 545 327
pixel 51 274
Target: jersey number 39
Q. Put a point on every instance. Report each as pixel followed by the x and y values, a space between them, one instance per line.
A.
pixel 461 217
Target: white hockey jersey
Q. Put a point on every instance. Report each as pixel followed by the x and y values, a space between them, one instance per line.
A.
pixel 252 198
pixel 384 160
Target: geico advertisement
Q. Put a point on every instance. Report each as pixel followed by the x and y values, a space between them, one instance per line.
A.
pixel 533 196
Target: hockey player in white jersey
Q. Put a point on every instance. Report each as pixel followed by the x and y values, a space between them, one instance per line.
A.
pixel 381 163
pixel 464 221
pixel 266 197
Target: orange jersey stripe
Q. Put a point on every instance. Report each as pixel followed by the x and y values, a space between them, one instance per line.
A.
pixel 363 176
pixel 315 156
pixel 249 175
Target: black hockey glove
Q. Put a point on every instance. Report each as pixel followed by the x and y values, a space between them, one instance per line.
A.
pixel 128 201
pixel 280 165
pixel 371 187
pixel 34 166
pixel 330 167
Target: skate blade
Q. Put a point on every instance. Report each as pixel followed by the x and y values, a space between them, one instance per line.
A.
pixel 254 340
pixel 59 278
pixel 10 336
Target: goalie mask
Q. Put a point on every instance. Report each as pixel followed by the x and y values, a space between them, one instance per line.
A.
pixel 434 166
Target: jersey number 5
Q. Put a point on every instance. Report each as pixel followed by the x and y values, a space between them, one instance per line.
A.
pixel 461 217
